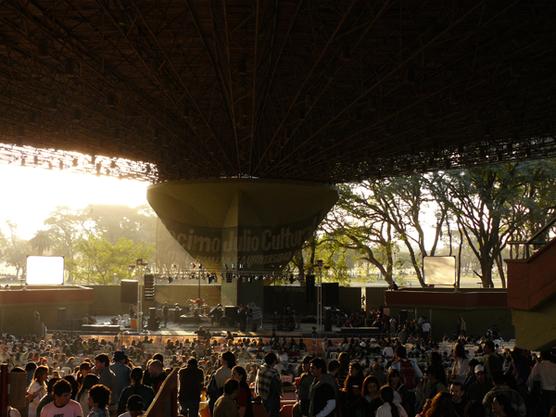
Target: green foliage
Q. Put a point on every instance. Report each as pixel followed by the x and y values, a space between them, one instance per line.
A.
pixel 98 243
pixel 102 262
pixel 13 250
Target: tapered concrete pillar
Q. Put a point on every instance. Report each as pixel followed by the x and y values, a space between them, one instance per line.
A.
pixel 234 225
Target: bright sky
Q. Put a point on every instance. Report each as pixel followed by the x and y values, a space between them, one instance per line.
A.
pixel 28 195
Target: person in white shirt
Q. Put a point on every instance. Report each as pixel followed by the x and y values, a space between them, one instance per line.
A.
pixel 544 373
pixel 62 405
pixel 36 390
pixel 389 408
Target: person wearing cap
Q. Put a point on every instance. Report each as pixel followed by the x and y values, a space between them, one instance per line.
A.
pixel 477 390
pixel 121 375
pixel 135 406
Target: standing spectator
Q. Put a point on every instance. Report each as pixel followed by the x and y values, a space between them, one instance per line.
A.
pixel 49 394
pixel 135 407
pixel 343 372
pixel 462 327
pixel 303 383
pixel 492 360
pixel 426 330
pixel 402 395
pixel 268 385
pixel 99 399
pixel 459 400
pixel 121 375
pixel 243 399
pixel 30 370
pixel 154 376
pixel 83 393
pixel 136 388
pixel 389 408
pixel 460 367
pixel 502 388
pixel 502 407
pixel 37 389
pixel 191 383
pixel 371 395
pixel 225 405
pixel 323 399
pixel 221 375
pixel 477 389
pixel 544 374
pixel 62 404
pixel 102 369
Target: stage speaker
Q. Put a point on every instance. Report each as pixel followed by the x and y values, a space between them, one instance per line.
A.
pixel 148 288
pixel 331 294
pixel 128 291
pixel 310 289
pixel 230 313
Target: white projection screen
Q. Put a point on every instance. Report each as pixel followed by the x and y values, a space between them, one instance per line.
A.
pixel 440 270
pixel 45 270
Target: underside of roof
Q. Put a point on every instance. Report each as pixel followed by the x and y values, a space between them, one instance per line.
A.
pixel 326 90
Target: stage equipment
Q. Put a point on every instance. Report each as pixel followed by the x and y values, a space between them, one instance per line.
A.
pixel 128 291
pixel 149 287
pixel 331 294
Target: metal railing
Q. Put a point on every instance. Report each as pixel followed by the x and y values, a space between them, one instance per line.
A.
pixel 165 403
pixel 524 249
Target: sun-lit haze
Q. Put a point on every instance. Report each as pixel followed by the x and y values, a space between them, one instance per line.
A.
pixel 29 195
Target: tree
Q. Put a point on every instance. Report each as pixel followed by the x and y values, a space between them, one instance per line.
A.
pixel 103 262
pixel 354 223
pixel 400 201
pixel 114 222
pixel 14 251
pixel 63 229
pixel 490 205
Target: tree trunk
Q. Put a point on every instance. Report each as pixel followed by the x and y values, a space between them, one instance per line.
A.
pixel 501 272
pixel 460 250
pixel 486 271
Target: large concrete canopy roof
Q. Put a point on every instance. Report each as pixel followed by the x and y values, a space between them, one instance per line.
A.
pixel 322 90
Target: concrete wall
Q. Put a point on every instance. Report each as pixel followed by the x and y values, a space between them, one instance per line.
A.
pixel 20 320
pixel 444 320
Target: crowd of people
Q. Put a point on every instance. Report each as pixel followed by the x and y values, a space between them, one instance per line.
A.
pixel 68 375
